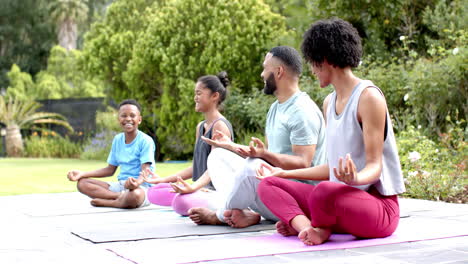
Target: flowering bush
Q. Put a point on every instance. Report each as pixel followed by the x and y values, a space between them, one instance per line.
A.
pixel 99 146
pixel 432 171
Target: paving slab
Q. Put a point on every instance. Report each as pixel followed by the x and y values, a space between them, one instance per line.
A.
pixel 37 229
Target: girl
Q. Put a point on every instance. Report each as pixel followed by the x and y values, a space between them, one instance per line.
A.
pixel 210 92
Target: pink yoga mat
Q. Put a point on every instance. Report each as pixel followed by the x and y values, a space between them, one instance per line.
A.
pixel 225 247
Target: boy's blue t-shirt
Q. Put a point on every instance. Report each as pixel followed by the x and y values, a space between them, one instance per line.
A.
pixel 131 156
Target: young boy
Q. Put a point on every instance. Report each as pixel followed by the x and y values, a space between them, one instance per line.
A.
pixel 133 151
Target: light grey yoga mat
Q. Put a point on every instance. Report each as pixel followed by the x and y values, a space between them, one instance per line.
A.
pixel 61 204
pixel 164 225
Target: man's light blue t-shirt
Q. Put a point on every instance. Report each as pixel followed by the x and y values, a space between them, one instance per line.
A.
pixel 297 121
pixel 131 156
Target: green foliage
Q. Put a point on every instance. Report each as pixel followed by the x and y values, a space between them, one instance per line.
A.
pixel 51 145
pixel 432 171
pixel 109 43
pixel 444 21
pixel 107 126
pixel 379 22
pixel 247 114
pixel 26 36
pixel 68 15
pixel 174 51
pixel 445 80
pixel 21 86
pixel 64 77
pixel 23 114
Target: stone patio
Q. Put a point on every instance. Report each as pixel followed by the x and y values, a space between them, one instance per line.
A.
pixel 37 229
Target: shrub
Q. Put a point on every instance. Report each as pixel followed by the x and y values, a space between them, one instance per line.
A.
pixel 51 145
pixel 107 126
pixel 173 52
pixel 432 171
pixel 99 146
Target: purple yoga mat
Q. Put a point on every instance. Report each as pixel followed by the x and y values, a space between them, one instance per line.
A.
pixel 224 247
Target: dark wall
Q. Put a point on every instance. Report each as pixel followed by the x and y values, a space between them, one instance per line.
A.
pixel 80 113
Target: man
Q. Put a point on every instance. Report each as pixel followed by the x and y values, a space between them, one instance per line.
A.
pixel 295 135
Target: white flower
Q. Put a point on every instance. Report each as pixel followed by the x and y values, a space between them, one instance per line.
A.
pixel 419 127
pixel 406 97
pixel 412 173
pixel 437 151
pixel 414 156
pixel 455 51
pixel 426 173
pixel 402 38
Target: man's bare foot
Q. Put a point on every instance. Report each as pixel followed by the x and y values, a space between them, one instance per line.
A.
pixel 204 216
pixel 285 229
pixel 314 235
pixel 241 218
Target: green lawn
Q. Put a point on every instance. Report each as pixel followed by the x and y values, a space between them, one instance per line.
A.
pixel 25 176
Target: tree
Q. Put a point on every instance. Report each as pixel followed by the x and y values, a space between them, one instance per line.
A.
pixel 150 51
pixel 109 43
pixel 380 22
pixel 26 36
pixel 68 14
pixel 21 86
pixel 174 51
pixel 17 114
pixel 64 77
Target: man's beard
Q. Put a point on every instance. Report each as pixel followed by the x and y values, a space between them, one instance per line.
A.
pixel 270 85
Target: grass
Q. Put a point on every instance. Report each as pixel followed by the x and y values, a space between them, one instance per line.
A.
pixel 26 176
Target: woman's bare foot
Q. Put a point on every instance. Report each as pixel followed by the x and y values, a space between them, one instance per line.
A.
pixel 204 216
pixel 285 229
pixel 241 218
pixel 314 235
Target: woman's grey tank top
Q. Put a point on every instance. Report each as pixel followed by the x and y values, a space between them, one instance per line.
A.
pixel 203 149
pixel 344 135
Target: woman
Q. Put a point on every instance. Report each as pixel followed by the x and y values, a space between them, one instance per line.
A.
pixel 363 176
pixel 210 92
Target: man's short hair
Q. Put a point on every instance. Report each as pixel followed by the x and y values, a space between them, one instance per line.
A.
pixel 290 57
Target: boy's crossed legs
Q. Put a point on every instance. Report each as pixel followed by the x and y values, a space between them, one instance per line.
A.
pixel 115 195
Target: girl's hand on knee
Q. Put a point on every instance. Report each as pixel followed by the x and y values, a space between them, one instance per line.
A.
pixel 347 171
pixel 150 177
pixel 182 186
pixel 266 170
pixel 218 139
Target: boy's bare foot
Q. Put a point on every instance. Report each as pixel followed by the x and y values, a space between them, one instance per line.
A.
pixel 285 229
pixel 241 218
pixel 314 236
pixel 99 202
pixel 204 216
pixel 117 203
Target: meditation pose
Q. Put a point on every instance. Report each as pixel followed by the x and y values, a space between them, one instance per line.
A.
pixel 133 151
pixel 295 135
pixel 361 181
pixel 210 92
